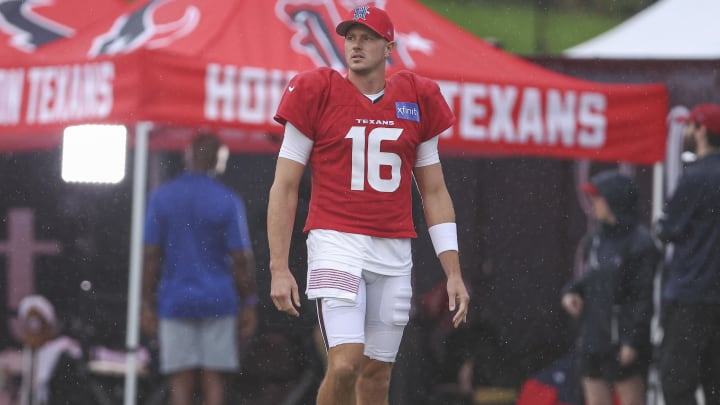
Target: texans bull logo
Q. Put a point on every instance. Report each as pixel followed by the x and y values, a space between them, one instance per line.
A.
pixel 147 27
pixel 155 24
pixel 29 29
pixel 314 21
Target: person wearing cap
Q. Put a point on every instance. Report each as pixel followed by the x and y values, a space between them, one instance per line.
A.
pixel 690 348
pixel 198 276
pixel 612 298
pixel 48 355
pixel 364 135
pixel 38 321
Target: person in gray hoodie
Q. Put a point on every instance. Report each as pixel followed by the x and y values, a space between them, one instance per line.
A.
pixel 612 299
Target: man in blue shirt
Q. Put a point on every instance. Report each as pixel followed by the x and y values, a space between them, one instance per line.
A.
pixel 198 276
pixel 690 351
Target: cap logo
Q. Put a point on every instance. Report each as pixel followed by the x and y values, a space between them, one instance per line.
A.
pixel 360 13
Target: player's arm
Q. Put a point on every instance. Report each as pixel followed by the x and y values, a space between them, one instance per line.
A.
pixel 239 243
pixel 674 224
pixel 243 264
pixel 152 259
pixel 282 206
pixel 440 218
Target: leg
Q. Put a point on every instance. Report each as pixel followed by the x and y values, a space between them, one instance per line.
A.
pixel 711 366
pixel 631 391
pixel 182 387
pixel 319 346
pixel 343 367
pixel 388 311
pixel 179 359
pixel 597 391
pixel 219 355
pixel 680 355
pixel 373 384
pixel 710 377
pixel 342 324
pixel 213 387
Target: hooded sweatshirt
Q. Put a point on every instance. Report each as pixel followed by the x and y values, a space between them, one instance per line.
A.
pixel 617 280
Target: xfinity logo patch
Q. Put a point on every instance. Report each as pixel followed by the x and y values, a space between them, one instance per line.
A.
pixel 407 111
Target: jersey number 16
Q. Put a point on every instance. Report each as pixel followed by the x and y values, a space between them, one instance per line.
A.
pixel 375 159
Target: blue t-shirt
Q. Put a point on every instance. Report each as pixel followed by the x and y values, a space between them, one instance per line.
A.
pixel 196 221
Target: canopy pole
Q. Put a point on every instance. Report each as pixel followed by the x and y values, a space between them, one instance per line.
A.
pixel 657 191
pixel 142 132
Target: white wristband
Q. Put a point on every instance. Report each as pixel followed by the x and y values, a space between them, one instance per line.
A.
pixel 444 237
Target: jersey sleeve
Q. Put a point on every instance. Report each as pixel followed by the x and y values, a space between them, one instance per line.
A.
pixel 295 145
pixel 427 153
pixel 437 112
pixel 302 101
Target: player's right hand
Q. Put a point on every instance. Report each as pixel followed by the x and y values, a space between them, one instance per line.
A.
pixel 284 292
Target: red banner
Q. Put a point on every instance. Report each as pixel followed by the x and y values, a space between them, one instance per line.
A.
pixel 223 64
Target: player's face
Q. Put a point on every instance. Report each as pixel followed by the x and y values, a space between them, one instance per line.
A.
pixel 602 210
pixel 365 50
pixel 689 139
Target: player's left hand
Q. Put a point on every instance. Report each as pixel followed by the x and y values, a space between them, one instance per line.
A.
pixel 627 355
pixel 458 298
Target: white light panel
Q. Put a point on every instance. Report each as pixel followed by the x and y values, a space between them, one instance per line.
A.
pixel 94 153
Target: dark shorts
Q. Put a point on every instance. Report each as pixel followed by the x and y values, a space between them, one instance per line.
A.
pixel 607 367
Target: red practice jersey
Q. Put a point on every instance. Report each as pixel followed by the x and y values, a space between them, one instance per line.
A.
pixel 363 152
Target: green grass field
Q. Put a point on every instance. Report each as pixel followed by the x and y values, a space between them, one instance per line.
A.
pixel 515 27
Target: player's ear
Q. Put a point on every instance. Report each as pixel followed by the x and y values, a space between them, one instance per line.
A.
pixel 389 48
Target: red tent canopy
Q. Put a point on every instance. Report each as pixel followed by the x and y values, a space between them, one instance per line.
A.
pixel 224 64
